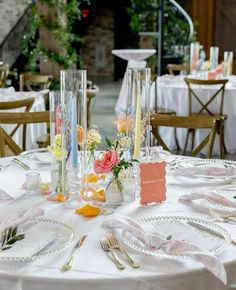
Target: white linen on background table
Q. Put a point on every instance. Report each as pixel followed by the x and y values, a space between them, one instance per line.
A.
pixel 92 269
pixel 172 93
pixel 34 131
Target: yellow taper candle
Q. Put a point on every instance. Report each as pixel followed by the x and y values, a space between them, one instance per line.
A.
pixel 137 134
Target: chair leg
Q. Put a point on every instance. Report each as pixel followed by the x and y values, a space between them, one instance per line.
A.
pixel 186 142
pixel 193 139
pixel 176 140
pixel 221 139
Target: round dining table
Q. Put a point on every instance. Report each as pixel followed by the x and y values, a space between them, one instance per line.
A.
pixel 172 93
pixel 93 269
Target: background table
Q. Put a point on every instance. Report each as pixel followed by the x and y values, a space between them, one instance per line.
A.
pixel 172 93
pixel 34 131
pixel 93 270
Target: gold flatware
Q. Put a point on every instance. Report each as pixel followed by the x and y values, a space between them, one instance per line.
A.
pixel 22 164
pixel 222 217
pixel 115 245
pixel 106 247
pixel 208 230
pixel 67 266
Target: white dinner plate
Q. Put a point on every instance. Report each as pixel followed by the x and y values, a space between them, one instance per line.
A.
pixel 176 227
pixel 43 237
pixel 40 156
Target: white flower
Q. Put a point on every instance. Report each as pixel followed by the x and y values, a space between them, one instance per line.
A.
pixel 125 142
pixel 93 137
pixel 59 153
pixel 57 140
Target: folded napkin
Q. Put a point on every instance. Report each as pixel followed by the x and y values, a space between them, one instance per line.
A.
pixel 4 196
pixel 20 218
pixel 206 170
pixel 170 247
pixel 210 196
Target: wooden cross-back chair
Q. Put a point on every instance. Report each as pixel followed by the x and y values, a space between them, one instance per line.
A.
pixel 25 104
pixel 218 90
pixel 4 72
pixel 174 69
pixel 18 118
pixel 31 82
pixel 188 122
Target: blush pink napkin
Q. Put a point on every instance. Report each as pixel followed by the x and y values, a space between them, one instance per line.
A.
pixel 170 247
pixel 215 198
pixel 206 170
pixel 19 218
pixel 4 196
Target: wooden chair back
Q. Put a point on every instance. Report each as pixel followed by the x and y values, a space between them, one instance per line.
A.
pixel 32 82
pixel 204 105
pixel 26 104
pixel 18 118
pixel 4 72
pixel 188 122
pixel 174 69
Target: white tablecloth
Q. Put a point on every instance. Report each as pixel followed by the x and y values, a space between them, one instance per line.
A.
pixel 34 131
pixel 93 270
pixel 172 93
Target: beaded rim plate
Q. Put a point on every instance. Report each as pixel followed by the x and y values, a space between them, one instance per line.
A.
pixel 30 155
pixel 179 161
pixel 61 226
pixel 226 238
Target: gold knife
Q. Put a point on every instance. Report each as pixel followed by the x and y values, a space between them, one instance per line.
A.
pixel 205 228
pixel 22 164
pixel 68 264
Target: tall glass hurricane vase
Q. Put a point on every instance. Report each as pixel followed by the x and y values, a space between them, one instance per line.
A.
pixel 74 127
pixel 59 178
pixel 55 114
pixel 138 111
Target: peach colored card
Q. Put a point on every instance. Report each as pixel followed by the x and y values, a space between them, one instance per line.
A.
pixel 152 182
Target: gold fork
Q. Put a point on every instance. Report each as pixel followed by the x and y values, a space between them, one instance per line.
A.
pixel 115 245
pixel 106 247
pixel 221 217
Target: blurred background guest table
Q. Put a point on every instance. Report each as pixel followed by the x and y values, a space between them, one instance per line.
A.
pixel 135 58
pixel 172 93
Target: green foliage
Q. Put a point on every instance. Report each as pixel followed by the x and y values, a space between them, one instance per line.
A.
pixel 64 35
pixel 10 237
pixel 144 18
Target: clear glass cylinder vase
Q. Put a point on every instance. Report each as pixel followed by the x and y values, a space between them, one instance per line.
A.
pixel 74 128
pixel 137 112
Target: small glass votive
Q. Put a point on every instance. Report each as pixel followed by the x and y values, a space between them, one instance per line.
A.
pixel 32 183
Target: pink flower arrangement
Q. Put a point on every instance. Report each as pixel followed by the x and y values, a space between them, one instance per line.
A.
pixel 107 162
pixel 112 161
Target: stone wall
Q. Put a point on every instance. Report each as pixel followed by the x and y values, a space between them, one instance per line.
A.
pixel 98 44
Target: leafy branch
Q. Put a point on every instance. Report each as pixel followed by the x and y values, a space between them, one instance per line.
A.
pixel 10 236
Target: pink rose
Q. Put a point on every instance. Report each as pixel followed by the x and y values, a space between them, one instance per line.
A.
pixel 108 161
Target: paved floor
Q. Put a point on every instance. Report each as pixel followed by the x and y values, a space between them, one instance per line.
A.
pixel 103 110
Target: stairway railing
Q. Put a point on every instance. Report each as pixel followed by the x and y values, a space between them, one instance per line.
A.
pixel 10 48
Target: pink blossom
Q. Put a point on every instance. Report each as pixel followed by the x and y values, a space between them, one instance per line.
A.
pixel 107 162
